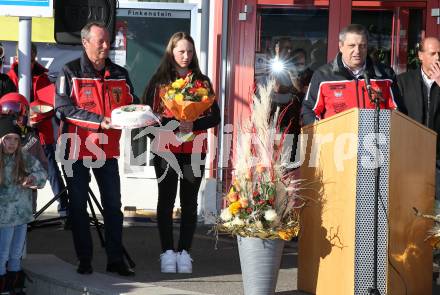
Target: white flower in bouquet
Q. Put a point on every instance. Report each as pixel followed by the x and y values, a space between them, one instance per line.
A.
pixel 270 215
pixel 226 215
pixel 227 224
pixel 237 221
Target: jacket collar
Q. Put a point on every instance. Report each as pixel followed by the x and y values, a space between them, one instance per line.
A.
pixel 370 68
pixel 87 66
pixel 37 69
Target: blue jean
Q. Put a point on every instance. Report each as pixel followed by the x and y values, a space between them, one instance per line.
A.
pixel 54 176
pixel 107 178
pixel 12 239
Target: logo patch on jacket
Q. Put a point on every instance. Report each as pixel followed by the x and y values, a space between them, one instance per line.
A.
pixel 338 94
pixel 88 93
pixel 117 94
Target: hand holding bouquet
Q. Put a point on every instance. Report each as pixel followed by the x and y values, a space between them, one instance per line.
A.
pixel 187 98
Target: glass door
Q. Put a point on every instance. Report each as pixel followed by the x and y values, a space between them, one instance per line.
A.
pixel 392 40
pixel 300 33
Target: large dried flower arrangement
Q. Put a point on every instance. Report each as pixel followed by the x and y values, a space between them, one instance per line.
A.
pixel 263 200
pixel 433 237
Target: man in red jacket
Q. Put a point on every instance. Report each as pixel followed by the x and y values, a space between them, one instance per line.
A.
pixel 341 84
pixel 87 90
pixel 44 127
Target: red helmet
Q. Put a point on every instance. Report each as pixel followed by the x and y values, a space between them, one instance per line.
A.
pixel 14 103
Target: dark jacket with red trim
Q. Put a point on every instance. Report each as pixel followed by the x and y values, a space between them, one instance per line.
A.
pixel 166 141
pixel 83 98
pixel 334 89
pixel 39 81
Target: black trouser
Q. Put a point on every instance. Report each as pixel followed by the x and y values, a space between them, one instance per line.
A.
pixel 107 178
pixel 189 187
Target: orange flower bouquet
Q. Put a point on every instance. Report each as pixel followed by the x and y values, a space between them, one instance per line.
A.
pixel 187 98
pixel 264 199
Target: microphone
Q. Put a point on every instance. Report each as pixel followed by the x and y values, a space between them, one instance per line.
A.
pixel 368 86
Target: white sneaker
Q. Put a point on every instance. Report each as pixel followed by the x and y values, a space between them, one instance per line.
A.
pixel 184 262
pixel 168 261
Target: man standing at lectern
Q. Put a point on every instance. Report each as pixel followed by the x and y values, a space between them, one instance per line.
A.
pixel 420 92
pixel 341 84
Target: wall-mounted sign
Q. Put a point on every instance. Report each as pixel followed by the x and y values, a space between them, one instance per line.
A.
pixel 37 8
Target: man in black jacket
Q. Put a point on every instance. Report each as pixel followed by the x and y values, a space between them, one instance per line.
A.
pixel 420 93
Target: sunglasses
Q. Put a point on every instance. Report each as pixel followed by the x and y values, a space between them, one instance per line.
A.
pixel 12 108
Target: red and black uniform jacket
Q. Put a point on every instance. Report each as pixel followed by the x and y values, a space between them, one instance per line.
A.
pixel 334 89
pixel 39 81
pixel 166 141
pixel 83 98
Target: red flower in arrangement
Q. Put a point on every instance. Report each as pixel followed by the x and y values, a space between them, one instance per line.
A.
pixel 198 84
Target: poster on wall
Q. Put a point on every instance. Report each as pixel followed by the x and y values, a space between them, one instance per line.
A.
pixel 118 54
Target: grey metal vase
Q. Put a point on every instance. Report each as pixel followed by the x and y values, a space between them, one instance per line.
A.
pixel 260 263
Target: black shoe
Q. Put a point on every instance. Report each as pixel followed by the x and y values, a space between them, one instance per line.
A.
pixel 121 268
pixel 84 267
pixel 67 224
pixel 15 282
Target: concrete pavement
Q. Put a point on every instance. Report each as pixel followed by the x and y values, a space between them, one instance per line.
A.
pixel 216 271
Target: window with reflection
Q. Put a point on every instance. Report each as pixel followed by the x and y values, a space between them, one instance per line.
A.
pixel 291 44
pixel 302 33
pixel 380 28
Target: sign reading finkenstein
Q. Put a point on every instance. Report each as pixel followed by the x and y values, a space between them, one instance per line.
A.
pixel 36 8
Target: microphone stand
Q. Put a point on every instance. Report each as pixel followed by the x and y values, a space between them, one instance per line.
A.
pixel 376 100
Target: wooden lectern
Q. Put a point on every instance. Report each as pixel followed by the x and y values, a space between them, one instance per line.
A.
pixel 336 238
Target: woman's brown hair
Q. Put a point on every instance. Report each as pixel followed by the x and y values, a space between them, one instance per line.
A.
pixel 19 171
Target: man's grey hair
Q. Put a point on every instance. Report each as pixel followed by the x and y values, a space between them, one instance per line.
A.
pixel 354 29
pixel 85 31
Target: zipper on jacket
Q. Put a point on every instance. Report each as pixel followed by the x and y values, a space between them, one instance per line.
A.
pixel 104 93
pixel 357 91
pixel 363 96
